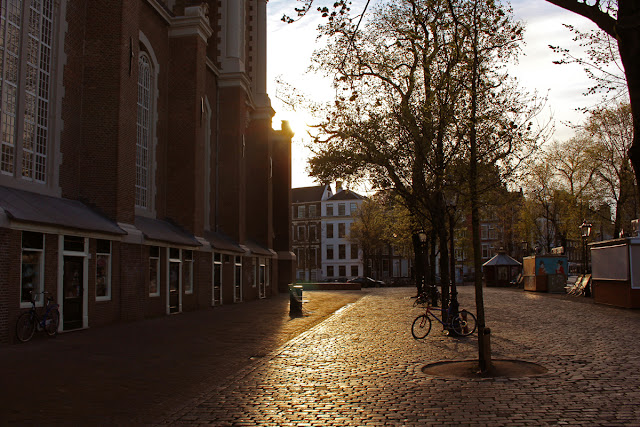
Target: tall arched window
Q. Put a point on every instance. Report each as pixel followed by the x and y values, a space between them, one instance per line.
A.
pixel 144 137
pixel 26 67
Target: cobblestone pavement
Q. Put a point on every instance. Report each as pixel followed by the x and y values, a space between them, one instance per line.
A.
pixel 362 367
pixel 134 373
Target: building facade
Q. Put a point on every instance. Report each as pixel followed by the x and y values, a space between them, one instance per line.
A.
pixel 139 172
pixel 306 230
pixel 341 258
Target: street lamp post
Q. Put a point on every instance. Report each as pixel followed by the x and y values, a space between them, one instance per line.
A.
pixel 419 244
pixel 585 231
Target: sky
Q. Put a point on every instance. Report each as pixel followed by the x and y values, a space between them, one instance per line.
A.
pixel 290 47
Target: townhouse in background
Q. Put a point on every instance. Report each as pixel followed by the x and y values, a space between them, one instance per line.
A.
pixel 341 258
pixel 139 171
pixel 306 230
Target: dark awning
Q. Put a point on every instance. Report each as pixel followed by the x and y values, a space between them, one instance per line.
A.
pixel 164 231
pixel 257 249
pixel 222 242
pixel 25 206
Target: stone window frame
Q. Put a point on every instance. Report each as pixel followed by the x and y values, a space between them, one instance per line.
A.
pixel 330 252
pixel 45 173
pixel 237 278
pixel 38 287
pixel 187 264
pixel 154 259
pixel 330 233
pixel 102 253
pixel 146 207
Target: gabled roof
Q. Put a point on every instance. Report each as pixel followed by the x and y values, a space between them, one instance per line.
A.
pixel 346 195
pixel 501 259
pixel 308 194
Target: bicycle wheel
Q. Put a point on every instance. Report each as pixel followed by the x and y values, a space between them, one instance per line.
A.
pixel 421 327
pixel 25 326
pixel 464 324
pixel 52 321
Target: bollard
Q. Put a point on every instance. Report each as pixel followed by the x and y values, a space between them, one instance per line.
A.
pixel 487 346
pixel 295 300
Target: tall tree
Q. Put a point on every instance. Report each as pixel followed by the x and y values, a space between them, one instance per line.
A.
pixel 611 132
pixel 619 19
pixel 402 98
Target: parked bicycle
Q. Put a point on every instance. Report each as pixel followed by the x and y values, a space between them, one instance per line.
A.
pixel 462 323
pixel 29 321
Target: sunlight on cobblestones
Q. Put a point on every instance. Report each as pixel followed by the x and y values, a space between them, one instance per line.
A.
pixel 362 367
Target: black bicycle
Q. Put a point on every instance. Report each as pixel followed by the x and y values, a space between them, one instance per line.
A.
pixel 29 321
pixel 460 322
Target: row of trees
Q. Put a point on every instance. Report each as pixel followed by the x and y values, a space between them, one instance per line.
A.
pixel 586 177
pixel 589 176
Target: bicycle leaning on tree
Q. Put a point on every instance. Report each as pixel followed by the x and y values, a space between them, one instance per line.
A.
pixel 30 320
pixel 459 322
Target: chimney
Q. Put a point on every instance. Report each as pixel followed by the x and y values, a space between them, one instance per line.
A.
pixel 338 186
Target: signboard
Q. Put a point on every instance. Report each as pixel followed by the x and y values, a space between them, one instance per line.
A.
pixel 610 262
pixel 548 266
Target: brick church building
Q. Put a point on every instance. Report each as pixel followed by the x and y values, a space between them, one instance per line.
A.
pixel 139 172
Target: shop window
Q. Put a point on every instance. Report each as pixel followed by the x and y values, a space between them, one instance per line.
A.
pixel 154 271
pixel 32 280
pixel 237 280
pixel 188 271
pixel 103 270
pixel 74 244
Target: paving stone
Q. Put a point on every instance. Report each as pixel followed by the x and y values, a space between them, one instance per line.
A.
pixel 364 365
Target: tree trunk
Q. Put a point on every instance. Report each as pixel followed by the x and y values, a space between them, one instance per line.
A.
pixel 628 32
pixel 444 258
pixel 484 359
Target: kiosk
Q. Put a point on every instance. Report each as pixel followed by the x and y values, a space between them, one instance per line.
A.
pixel 545 273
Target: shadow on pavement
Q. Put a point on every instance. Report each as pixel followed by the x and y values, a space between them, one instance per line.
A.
pixel 134 373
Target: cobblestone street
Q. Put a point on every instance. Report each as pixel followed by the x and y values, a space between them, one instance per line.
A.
pixel 362 367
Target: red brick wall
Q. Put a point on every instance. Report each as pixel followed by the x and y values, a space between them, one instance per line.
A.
pixel 257 198
pixel 133 281
pixel 10 248
pixel 202 283
pixel 185 153
pixel 231 163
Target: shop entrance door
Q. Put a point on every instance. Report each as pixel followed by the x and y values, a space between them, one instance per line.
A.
pixel 73 288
